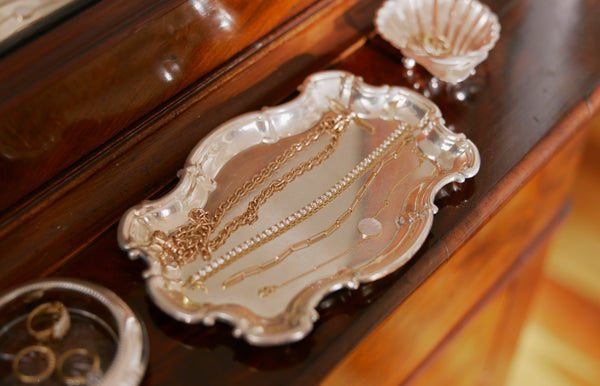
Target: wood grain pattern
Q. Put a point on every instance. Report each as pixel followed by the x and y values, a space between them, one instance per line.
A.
pixel 558 345
pixel 559 342
pixel 398 347
pixel 480 351
pixel 135 166
pixel 78 93
pixel 574 259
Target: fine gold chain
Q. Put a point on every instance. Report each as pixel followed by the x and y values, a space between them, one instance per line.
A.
pixel 242 275
pixel 255 270
pixel 197 279
pixel 265 291
pixel 270 289
pixel 193 238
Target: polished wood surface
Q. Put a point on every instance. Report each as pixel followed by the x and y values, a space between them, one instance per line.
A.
pixel 524 105
pixel 93 194
pixel 480 352
pixel 84 85
pixel 559 343
pixel 486 264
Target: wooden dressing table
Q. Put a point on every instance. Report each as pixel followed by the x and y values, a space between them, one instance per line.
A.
pixel 98 113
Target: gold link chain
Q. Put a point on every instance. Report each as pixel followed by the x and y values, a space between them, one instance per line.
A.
pixel 192 239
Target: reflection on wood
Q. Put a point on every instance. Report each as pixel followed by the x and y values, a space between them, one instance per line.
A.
pixel 409 339
pixel 104 70
pixel 559 344
pixel 481 352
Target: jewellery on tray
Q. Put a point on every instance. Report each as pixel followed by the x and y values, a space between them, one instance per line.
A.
pixel 193 238
pixel 57 312
pixel 368 228
pixel 83 379
pixel 42 375
pixel 251 271
pixel 265 291
pixel 270 289
pixel 197 279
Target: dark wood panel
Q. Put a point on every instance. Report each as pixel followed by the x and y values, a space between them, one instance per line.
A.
pixel 136 165
pixel 68 93
pixel 477 271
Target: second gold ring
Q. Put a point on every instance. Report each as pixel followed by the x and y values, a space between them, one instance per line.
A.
pixel 48 321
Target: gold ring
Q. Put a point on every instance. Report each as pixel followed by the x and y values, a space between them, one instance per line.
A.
pixel 61 321
pixel 78 379
pixel 437 45
pixel 42 375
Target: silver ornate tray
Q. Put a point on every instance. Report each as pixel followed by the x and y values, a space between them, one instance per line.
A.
pixel 354 216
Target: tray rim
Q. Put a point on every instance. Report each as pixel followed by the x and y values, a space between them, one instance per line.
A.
pixel 296 321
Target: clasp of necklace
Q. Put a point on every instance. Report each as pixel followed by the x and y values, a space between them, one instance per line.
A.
pixel 348 116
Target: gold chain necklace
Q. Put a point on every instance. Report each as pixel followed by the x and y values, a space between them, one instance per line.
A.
pixel 197 280
pixel 193 238
pixel 335 225
pixel 270 289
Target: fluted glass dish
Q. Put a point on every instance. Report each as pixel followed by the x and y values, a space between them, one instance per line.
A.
pixel 447 37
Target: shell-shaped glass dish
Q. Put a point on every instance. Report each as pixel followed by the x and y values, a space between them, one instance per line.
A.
pixel 447 37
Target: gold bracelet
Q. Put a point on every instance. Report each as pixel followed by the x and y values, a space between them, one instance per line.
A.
pixel 59 315
pixel 78 379
pixel 42 375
